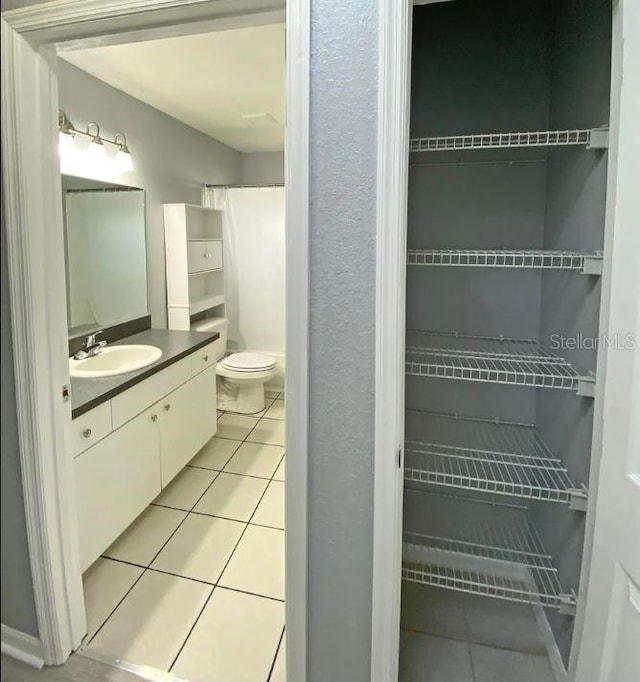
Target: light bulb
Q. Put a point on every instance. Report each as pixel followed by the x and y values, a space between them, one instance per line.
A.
pixel 124 162
pixel 96 155
pixel 66 145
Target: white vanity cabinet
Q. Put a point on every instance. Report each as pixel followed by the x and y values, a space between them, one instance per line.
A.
pixel 153 430
pixel 187 419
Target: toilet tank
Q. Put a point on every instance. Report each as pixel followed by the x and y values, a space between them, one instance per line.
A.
pixel 214 324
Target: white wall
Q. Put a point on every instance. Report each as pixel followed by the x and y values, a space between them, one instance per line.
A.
pixel 263 168
pixel 172 161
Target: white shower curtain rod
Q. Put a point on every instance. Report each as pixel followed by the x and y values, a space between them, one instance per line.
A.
pixel 275 184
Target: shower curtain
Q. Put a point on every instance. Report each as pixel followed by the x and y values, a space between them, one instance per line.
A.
pixel 254 260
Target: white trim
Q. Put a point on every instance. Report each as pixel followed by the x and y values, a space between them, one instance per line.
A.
pixel 392 182
pixel 297 340
pixel 65 13
pixel 35 255
pixel 22 647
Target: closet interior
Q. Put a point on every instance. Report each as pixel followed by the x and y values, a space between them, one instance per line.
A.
pixel 506 214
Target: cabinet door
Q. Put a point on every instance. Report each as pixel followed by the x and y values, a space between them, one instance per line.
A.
pixel 115 480
pixel 204 255
pixel 187 422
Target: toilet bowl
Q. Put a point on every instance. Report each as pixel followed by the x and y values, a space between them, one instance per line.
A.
pixel 241 380
pixel 240 376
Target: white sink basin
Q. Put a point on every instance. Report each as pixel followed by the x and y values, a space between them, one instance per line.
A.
pixel 114 360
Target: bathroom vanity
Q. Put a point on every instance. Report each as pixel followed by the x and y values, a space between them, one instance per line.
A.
pixel 132 433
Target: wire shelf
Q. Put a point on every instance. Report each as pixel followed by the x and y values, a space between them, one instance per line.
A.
pixel 495 552
pixel 504 458
pixel 554 260
pixel 596 138
pixel 498 360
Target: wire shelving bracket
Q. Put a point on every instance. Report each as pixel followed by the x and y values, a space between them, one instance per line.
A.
pixel 497 360
pixel 592 138
pixel 586 263
pixel 499 457
pixel 499 555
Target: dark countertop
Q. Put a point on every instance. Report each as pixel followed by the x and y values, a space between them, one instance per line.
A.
pixel 175 345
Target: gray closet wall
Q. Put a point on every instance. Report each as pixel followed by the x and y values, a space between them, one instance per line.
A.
pixel 504 66
pixel 574 219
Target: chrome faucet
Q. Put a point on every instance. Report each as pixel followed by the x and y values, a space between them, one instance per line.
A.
pixel 91 347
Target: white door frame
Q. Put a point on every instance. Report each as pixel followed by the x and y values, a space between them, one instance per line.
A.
pixel 35 253
pixel 394 72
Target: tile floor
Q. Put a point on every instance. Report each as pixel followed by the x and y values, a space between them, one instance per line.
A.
pixel 465 638
pixel 195 586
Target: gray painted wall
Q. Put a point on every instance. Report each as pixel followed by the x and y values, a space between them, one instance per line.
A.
pixel 342 335
pixel 575 214
pixel 263 168
pixel 18 606
pixel 172 161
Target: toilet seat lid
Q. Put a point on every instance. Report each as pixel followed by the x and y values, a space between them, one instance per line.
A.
pixel 248 362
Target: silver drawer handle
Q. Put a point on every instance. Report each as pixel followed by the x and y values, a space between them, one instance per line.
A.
pixel 167 407
pixel 205 358
pixel 154 417
pixel 87 433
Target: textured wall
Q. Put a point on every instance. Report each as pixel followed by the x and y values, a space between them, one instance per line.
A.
pixel 18 607
pixel 263 168
pixel 342 316
pixel 172 161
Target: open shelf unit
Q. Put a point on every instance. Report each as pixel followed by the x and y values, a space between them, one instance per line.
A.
pixel 499 457
pixel 594 138
pixel 195 263
pixel 498 360
pixel 587 263
pixel 495 551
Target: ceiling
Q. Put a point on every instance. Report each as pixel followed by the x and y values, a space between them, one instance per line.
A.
pixel 230 85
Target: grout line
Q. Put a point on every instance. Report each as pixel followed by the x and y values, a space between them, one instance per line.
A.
pixel 233 551
pixel 275 658
pixel 234 473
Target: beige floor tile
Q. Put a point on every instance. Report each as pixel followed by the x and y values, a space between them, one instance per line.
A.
pixel 270 511
pixel 279 672
pixel 276 411
pixel 105 583
pixel 255 459
pixel 269 431
pixel 257 565
pixel 235 639
pixel 232 497
pixel 200 548
pixel 235 426
pixel 145 536
pixel 186 488
pixel 152 623
pixel 269 393
pixel 215 454
pixel 280 471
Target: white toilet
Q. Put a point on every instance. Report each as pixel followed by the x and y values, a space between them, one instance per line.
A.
pixel 241 376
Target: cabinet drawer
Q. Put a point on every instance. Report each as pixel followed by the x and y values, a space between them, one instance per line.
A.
pixel 138 398
pixel 89 428
pixel 204 255
pixel 205 357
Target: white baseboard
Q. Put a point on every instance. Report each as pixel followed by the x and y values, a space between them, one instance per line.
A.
pixel 555 658
pixel 22 647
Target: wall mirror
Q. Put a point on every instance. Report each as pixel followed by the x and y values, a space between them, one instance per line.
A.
pixel 105 253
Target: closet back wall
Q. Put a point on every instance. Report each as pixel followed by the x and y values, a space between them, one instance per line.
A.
pixel 172 161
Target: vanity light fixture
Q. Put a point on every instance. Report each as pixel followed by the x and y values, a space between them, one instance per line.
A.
pixel 96 153
pixel 66 136
pixel 124 162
